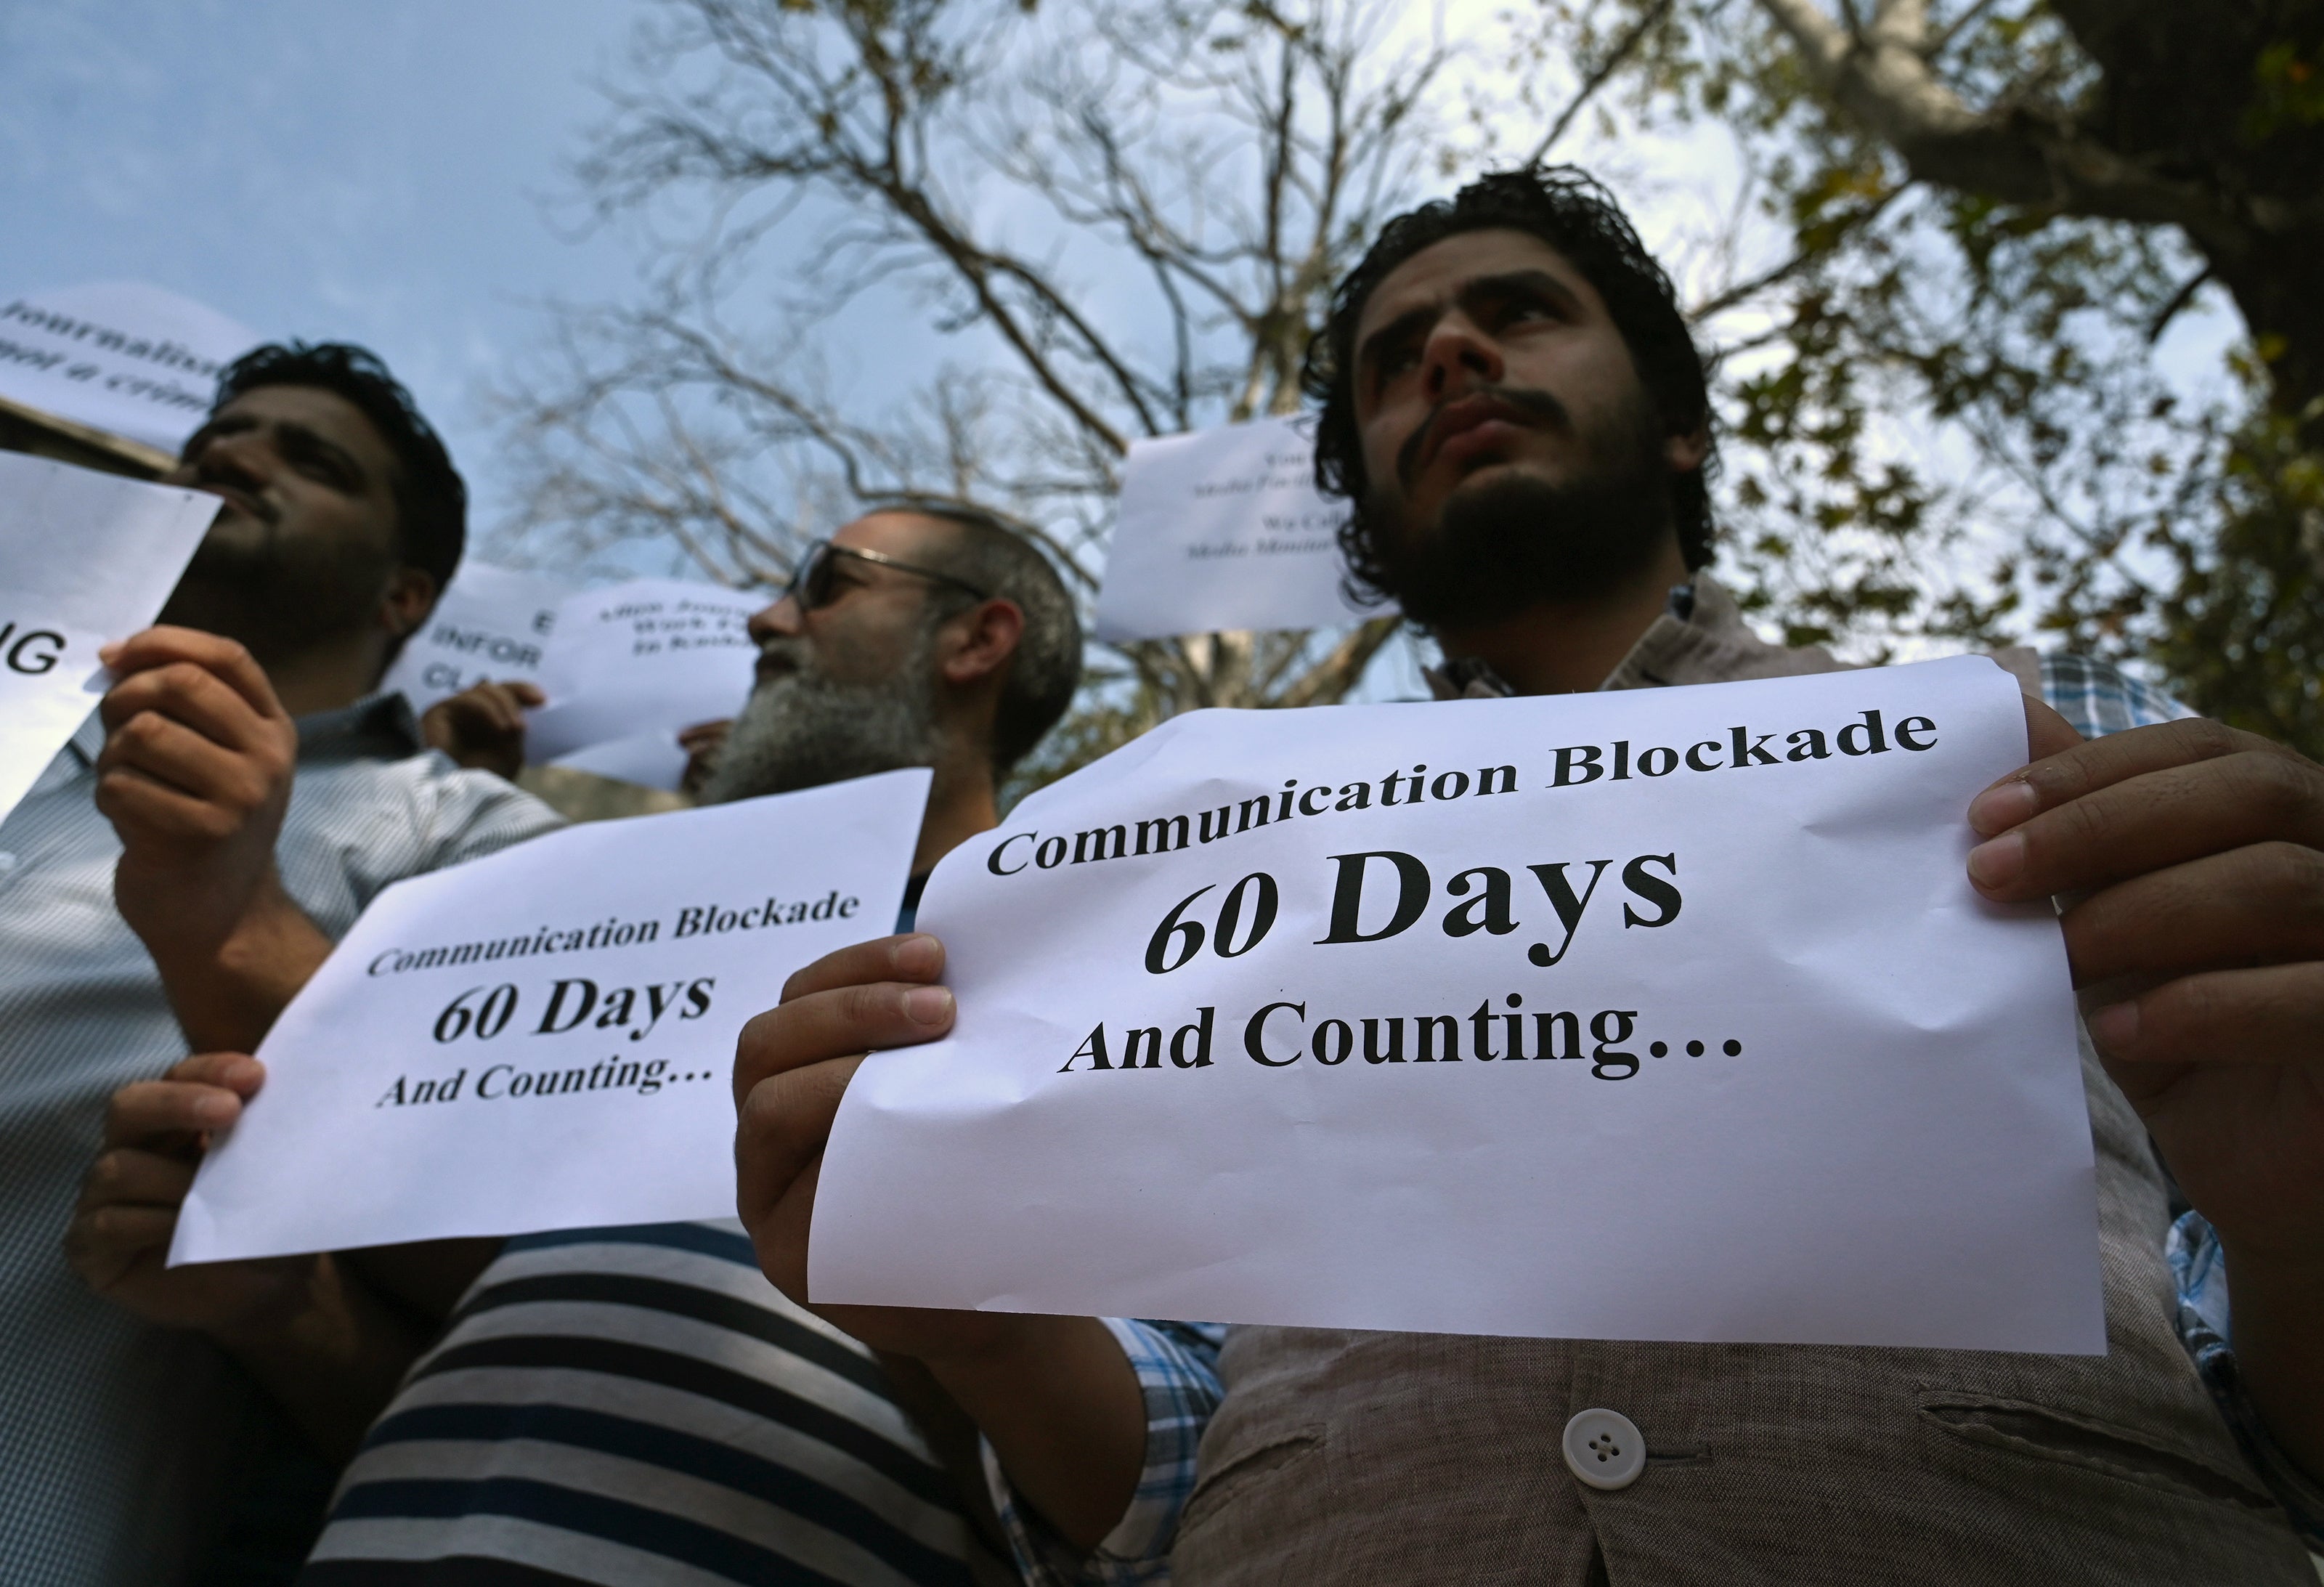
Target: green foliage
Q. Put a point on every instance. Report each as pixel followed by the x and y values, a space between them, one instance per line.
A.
pixel 2291 92
pixel 1947 419
pixel 2243 630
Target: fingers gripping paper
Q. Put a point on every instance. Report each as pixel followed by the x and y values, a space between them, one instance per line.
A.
pixel 624 667
pixel 1656 1015
pixel 544 1038
pixel 633 663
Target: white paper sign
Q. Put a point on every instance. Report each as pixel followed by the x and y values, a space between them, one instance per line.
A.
pixel 1780 1074
pixel 123 356
pixel 543 1039
pixel 85 558
pixel 1224 530
pixel 492 625
pixel 631 665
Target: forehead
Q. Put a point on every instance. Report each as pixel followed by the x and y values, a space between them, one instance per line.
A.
pixel 904 535
pixel 1436 275
pixel 324 412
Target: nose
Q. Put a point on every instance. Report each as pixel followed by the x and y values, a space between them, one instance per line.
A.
pixel 240 458
pixel 780 620
pixel 1458 356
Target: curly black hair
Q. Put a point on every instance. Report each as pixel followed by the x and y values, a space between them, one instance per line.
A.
pixel 431 500
pixel 1573 213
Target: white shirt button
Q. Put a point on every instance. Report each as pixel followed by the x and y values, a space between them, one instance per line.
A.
pixel 1605 1449
pixel 7 862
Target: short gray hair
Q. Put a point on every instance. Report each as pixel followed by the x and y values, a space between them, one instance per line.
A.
pixel 999 556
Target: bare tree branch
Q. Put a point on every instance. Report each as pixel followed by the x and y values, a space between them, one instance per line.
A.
pixel 1884 76
pixel 1002 166
pixel 1603 73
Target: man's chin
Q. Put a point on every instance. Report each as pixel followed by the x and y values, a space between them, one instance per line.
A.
pixel 1427 512
pixel 1493 473
pixel 1514 535
pixel 236 545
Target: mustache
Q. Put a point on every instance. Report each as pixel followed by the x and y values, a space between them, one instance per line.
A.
pixel 1535 404
pixel 239 491
pixel 784 656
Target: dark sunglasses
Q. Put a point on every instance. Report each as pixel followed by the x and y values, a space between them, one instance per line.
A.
pixel 811 582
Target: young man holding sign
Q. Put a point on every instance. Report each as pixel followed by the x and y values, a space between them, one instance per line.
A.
pixel 1510 396
pixel 175 875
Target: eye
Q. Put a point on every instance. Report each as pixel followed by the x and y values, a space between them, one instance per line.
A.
pixel 317 464
pixel 1394 360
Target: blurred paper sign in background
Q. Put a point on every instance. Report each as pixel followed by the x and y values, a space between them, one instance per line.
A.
pixel 492 625
pixel 624 666
pixel 122 357
pixel 1224 530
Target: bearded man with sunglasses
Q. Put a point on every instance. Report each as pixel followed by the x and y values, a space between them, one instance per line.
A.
pixel 639 1403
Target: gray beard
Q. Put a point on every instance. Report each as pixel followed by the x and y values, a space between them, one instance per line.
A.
pixel 804 729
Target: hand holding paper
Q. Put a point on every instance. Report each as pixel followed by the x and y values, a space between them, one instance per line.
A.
pixel 482 727
pixel 309 1327
pixel 1050 1393
pixel 155 1132
pixel 1673 1010
pixel 195 776
pixel 2187 849
pixel 634 663
pixel 791 1066
pixel 2191 851
pixel 610 678
pixel 539 1038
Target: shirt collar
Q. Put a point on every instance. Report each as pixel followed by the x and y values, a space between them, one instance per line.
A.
pixel 1700 637
pixel 380 726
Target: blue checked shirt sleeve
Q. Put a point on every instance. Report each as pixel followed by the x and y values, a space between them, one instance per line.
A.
pixel 2098 698
pixel 2200 1268
pixel 1177 1366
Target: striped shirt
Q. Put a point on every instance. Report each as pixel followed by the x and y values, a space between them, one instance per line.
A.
pixel 124 1444
pixel 640 1406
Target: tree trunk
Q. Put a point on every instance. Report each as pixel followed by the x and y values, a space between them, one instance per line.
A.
pixel 2229 95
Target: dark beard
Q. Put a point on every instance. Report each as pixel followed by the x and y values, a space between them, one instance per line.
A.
pixel 278 607
pixel 1518 540
pixel 803 729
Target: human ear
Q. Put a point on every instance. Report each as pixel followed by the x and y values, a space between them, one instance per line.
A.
pixel 986 636
pixel 1685 452
pixel 404 604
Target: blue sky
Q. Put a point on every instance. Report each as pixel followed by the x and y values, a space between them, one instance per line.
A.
pixel 374 173
pixel 389 175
